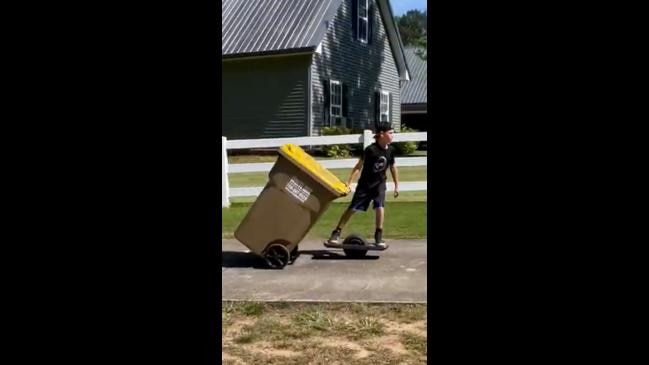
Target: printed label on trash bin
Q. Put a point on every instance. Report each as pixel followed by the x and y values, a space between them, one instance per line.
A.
pixel 297 188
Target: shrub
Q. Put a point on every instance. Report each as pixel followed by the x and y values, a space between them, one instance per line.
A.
pixel 405 148
pixel 336 150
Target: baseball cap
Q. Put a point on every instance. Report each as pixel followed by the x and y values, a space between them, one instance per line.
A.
pixel 383 127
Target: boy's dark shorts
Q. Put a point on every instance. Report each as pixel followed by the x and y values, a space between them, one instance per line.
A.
pixel 363 197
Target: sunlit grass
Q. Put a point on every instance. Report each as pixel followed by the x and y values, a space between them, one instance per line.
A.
pixel 403 220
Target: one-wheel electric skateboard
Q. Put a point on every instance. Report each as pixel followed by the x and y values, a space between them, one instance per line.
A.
pixel 355 246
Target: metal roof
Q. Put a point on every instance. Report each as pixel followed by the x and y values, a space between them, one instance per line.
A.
pixel 263 27
pixel 272 26
pixel 415 91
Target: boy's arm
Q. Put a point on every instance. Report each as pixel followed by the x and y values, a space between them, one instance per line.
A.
pixel 355 171
pixel 395 178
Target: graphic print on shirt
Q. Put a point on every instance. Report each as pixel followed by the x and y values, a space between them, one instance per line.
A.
pixel 380 164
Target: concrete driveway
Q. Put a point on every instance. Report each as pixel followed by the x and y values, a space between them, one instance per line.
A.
pixel 321 274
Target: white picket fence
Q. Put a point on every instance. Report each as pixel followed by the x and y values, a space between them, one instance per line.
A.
pixel 366 139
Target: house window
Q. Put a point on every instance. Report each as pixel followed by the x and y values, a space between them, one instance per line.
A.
pixel 385 106
pixel 336 104
pixel 363 16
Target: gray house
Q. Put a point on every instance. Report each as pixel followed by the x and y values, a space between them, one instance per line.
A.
pixel 292 67
pixel 414 93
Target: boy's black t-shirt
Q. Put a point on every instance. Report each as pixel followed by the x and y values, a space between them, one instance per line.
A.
pixel 376 160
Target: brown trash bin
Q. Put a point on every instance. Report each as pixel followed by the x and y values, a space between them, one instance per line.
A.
pixel 298 191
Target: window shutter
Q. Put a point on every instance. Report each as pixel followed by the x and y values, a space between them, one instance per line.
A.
pixel 348 121
pixel 345 100
pixel 390 113
pixel 354 19
pixel 325 104
pixel 370 22
pixel 377 108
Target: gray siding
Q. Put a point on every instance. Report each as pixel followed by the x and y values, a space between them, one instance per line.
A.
pixel 265 97
pixel 364 68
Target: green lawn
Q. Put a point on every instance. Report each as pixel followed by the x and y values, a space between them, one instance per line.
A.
pixel 403 219
pixel 406 196
pixel 272 158
pixel 248 179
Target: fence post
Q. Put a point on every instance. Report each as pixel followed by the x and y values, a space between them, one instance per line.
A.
pixel 368 138
pixel 225 186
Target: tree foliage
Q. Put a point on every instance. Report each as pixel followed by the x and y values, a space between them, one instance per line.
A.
pixel 422 43
pixel 413 25
pixel 413 28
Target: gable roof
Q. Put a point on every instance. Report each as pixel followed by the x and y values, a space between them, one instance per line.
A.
pixel 395 39
pixel 271 26
pixel 415 91
pixel 266 27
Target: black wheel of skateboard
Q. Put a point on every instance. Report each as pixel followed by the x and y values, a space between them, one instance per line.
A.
pixel 294 255
pixel 277 256
pixel 354 239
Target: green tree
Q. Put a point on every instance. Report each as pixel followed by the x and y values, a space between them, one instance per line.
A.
pixel 412 26
pixel 422 43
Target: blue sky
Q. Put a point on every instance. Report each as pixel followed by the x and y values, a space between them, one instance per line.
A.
pixel 400 7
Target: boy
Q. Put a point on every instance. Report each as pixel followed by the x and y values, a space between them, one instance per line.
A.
pixel 372 183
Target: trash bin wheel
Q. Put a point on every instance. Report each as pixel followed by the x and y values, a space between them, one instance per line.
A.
pixel 277 256
pixel 294 255
pixel 354 239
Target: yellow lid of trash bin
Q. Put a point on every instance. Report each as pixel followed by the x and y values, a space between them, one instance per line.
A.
pixel 310 165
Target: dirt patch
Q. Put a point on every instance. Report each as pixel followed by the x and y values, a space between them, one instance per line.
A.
pixel 417 328
pixel 361 352
pixel 235 328
pixel 267 349
pixel 229 359
pixel 333 333
pixel 392 343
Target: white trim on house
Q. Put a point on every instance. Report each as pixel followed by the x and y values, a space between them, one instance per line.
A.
pixel 245 58
pixel 395 40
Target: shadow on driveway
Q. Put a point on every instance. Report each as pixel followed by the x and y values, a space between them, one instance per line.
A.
pixel 242 259
pixel 248 259
pixel 331 255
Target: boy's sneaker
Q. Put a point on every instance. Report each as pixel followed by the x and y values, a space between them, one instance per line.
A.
pixel 378 240
pixel 335 237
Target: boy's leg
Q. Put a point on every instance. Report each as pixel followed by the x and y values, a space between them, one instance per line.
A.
pixel 379 203
pixel 335 235
pixel 345 218
pixel 360 201
pixel 378 232
pixel 380 215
